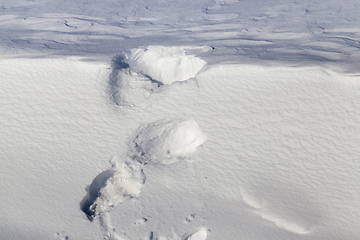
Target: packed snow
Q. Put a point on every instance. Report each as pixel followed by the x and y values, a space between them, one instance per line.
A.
pixel 180 120
pixel 105 191
pixel 165 65
pixel 165 141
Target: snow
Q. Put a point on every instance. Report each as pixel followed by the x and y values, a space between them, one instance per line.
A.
pixel 165 141
pixel 165 65
pixel 104 192
pixel 198 235
pixel 176 120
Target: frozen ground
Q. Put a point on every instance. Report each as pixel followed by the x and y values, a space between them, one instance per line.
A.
pixel 169 120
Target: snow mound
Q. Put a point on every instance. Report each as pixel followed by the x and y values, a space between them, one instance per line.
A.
pixel 107 189
pixel 165 141
pixel 198 235
pixel 166 65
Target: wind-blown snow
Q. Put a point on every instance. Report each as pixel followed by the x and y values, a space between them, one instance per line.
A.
pixel 276 93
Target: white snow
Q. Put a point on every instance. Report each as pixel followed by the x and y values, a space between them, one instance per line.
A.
pixel 165 141
pixel 106 106
pixel 165 64
pixel 105 191
pixel 198 235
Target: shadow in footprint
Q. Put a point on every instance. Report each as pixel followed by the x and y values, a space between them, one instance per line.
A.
pixel 117 64
pixel 129 88
pixel 94 192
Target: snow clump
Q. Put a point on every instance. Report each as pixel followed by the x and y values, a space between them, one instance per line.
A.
pixel 165 141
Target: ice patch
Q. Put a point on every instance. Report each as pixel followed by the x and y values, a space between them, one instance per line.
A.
pixel 198 235
pixel 165 141
pixel 166 65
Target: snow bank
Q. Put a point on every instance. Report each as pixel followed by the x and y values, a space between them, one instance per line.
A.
pixel 166 65
pixel 165 140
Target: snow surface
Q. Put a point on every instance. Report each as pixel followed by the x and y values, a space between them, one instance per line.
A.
pixel 106 105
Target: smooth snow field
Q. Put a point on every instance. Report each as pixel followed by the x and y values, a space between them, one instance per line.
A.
pixel 179 120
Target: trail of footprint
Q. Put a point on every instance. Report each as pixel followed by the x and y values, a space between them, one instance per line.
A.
pixel 135 76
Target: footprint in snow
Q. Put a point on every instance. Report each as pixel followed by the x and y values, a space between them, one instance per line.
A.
pixel 111 187
pixel 165 141
pixel 142 72
pixel 200 234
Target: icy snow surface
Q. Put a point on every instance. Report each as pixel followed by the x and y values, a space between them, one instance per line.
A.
pixel 179 120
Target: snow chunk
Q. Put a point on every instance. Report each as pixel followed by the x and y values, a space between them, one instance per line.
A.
pixel 198 235
pixel 166 65
pixel 165 141
pixel 107 189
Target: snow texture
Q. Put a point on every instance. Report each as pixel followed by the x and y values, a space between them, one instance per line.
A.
pixel 276 93
pixel 112 187
pixel 165 141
